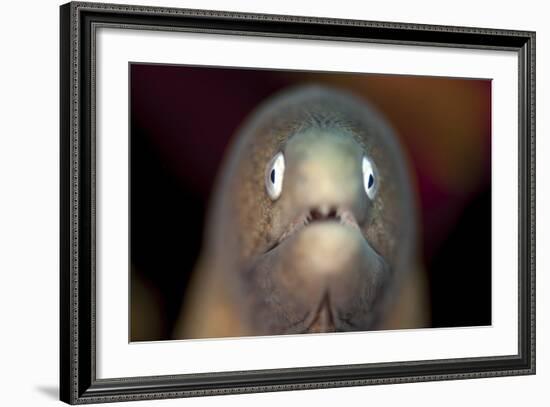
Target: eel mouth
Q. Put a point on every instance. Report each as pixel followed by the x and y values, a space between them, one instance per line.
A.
pixel 321 213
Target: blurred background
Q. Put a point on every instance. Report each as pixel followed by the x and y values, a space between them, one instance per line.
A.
pixel 182 119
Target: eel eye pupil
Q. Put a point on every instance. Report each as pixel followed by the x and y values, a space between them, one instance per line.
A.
pixel 371 181
pixel 273 176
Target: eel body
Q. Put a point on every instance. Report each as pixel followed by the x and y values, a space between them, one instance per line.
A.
pixel 312 225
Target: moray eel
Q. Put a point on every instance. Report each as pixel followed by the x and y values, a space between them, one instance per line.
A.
pixel 312 227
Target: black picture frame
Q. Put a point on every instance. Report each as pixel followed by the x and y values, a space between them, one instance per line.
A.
pixel 78 382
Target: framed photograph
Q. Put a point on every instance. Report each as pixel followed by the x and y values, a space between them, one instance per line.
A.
pixel 255 203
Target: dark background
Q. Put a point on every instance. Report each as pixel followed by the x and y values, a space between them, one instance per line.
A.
pixel 183 117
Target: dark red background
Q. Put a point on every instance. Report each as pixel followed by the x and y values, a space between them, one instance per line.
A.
pixel 183 117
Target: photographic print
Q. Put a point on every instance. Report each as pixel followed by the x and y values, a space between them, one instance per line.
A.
pixel 254 202
pixel 271 202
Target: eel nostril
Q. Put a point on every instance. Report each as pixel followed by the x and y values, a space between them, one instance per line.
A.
pixel 316 214
pixel 323 213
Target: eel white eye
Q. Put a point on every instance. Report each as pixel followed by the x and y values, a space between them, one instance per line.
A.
pixel 274 176
pixel 369 178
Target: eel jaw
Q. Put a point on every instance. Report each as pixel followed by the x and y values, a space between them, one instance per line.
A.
pixel 322 277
